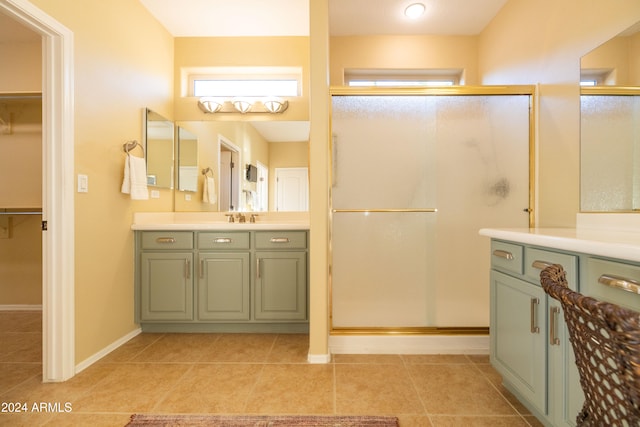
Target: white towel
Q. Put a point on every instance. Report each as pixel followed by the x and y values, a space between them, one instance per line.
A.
pixel 135 178
pixel 209 191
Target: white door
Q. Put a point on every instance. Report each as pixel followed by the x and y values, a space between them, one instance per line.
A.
pixel 292 189
pixel 262 188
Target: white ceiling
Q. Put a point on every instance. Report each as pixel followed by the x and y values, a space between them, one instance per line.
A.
pixel 210 18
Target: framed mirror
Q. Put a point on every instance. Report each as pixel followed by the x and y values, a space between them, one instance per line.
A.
pixel 158 137
pixel 187 160
pixel 610 125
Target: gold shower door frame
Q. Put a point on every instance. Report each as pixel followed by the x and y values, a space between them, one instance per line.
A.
pixel 526 90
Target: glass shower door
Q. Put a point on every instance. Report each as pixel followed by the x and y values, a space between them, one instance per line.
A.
pixel 414 179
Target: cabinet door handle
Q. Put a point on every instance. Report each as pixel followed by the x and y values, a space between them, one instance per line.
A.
pixel 553 326
pixel 503 254
pixel 279 240
pixel 541 265
pixel 619 282
pixel 534 308
pixel 165 240
pixel 222 240
pixel 201 268
pixel 257 267
pixel 187 268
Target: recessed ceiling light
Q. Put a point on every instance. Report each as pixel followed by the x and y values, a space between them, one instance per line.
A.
pixel 414 11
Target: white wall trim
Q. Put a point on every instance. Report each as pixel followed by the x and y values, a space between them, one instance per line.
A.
pixel 20 307
pixel 58 311
pixel 319 358
pixel 409 344
pixel 108 349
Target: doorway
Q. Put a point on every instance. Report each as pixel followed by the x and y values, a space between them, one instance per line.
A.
pixel 262 188
pixel 229 175
pixel 58 346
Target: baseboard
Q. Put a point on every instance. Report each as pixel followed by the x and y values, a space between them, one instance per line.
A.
pixel 318 358
pixel 409 344
pixel 20 307
pixel 108 349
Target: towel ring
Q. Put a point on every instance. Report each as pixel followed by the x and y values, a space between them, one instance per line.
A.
pixel 130 145
pixel 207 170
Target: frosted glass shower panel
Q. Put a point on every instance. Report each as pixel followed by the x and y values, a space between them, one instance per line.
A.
pixel 383 152
pixel 395 264
pixel 384 263
pixel 609 153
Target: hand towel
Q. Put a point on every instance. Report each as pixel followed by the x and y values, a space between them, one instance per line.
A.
pixel 135 178
pixel 209 191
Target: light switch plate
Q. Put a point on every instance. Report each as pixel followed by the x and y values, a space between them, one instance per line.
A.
pixel 83 183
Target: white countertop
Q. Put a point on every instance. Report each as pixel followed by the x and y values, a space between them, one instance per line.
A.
pixel 620 244
pixel 218 221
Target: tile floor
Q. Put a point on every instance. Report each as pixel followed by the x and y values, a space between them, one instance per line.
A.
pixel 248 373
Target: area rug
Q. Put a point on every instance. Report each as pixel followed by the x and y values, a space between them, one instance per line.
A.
pixel 262 421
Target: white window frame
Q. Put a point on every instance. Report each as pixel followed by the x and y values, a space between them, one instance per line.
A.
pixel 232 74
pixel 403 77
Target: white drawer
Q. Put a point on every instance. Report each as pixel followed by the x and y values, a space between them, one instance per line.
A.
pixel 613 281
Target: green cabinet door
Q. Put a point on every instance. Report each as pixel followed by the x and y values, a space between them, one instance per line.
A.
pixel 223 286
pixel 565 394
pixel 518 336
pixel 166 286
pixel 281 285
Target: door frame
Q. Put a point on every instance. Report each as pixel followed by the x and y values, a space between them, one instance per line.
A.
pixel 58 310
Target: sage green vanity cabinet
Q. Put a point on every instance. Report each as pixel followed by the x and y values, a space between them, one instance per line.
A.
pixel 281 275
pixel 166 278
pixel 223 275
pixel 530 345
pixel 222 281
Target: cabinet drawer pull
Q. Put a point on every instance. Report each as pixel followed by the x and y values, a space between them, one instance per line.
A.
pixel 279 240
pixel 553 326
pixel 222 240
pixel 503 254
pixel 165 240
pixel 619 282
pixel 534 305
pixel 541 265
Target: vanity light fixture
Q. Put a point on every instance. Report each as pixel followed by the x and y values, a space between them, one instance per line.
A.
pixel 275 105
pixel 243 105
pixel 272 105
pixel 211 104
pixel 414 11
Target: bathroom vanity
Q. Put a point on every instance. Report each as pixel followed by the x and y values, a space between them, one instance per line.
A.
pixel 530 345
pixel 198 274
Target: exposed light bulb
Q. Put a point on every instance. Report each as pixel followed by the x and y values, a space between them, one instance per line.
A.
pixel 414 11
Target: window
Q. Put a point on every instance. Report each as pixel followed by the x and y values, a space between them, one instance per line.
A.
pixel 399 77
pixel 245 81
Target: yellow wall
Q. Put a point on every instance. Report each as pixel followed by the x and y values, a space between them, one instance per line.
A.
pixel 542 41
pixel 380 52
pixel 123 62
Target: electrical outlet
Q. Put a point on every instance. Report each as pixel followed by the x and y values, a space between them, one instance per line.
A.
pixel 155 194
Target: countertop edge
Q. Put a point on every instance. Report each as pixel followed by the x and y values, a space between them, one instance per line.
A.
pixel 217 226
pixel 610 244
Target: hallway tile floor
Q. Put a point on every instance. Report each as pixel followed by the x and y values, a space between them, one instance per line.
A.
pixel 246 373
